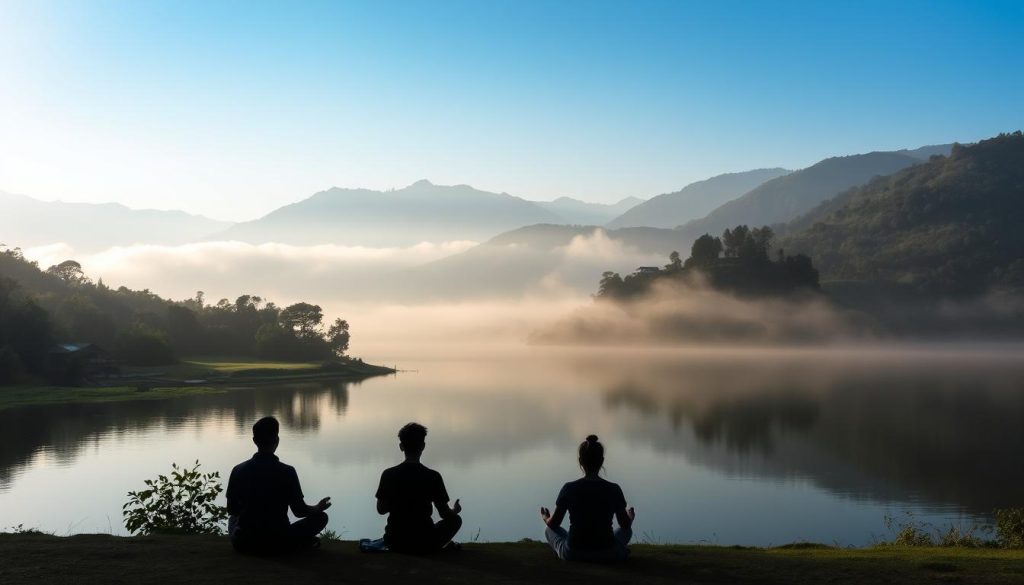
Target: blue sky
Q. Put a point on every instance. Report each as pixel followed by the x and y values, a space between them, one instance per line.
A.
pixel 233 108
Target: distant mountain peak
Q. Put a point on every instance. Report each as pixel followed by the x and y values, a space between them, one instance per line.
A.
pixel 421 183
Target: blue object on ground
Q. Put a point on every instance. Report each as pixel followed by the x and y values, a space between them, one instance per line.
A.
pixel 367 545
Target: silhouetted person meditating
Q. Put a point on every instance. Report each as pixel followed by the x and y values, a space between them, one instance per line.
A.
pixel 408 493
pixel 260 491
pixel 591 502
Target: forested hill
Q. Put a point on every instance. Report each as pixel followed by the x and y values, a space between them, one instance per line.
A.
pixel 952 225
pixel 40 308
pixel 786 198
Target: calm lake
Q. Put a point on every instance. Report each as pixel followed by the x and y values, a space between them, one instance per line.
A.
pixel 753 447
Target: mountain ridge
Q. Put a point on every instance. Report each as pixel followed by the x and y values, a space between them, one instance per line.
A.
pixel 695 200
pixel 27 222
pixel 419 212
pixel 784 198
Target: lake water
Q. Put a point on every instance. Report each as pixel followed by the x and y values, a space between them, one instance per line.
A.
pixel 749 447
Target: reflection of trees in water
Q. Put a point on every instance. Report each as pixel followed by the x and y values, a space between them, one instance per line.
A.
pixel 64 430
pixel 742 425
pixel 948 433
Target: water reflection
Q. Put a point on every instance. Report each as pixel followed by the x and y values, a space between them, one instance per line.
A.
pixel 63 431
pixel 945 429
pixel 940 430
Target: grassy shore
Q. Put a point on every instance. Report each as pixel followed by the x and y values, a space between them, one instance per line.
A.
pixel 31 558
pixel 186 378
pixel 227 369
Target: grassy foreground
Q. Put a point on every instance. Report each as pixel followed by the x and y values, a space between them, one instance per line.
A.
pixel 34 558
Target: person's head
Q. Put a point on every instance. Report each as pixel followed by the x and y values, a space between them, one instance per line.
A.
pixel 264 434
pixel 412 439
pixel 591 455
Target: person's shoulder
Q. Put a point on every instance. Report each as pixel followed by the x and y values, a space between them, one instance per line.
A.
pixel 613 489
pixel 242 466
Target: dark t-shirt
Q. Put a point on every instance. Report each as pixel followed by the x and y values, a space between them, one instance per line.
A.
pixel 259 493
pixel 591 504
pixel 410 491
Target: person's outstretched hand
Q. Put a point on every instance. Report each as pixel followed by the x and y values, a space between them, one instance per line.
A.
pixel 457 508
pixel 545 514
pixel 323 504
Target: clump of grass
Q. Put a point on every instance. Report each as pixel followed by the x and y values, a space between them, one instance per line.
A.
pixel 329 535
pixel 957 536
pixel 21 529
pixel 911 533
pixel 803 545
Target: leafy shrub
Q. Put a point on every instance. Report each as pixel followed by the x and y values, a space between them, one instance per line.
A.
pixel 182 503
pixel 1010 527
pixel 912 535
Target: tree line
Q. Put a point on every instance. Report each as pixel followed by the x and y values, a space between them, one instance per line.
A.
pixel 61 304
pixel 738 262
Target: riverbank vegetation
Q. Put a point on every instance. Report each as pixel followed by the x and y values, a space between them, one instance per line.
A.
pixel 39 558
pixel 41 310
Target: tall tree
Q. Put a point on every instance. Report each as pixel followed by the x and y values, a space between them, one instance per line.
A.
pixel 69 271
pixel 338 337
pixel 303 320
pixel 706 250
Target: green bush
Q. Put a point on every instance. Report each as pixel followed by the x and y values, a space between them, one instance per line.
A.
pixel 1010 527
pixel 180 503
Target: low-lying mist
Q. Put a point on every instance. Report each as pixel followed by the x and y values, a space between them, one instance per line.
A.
pixel 424 273
pixel 460 298
pixel 691 312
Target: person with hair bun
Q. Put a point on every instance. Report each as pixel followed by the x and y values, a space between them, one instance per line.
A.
pixel 591 502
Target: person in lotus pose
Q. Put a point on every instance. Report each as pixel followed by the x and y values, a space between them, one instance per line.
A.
pixel 408 492
pixel 591 502
pixel 260 491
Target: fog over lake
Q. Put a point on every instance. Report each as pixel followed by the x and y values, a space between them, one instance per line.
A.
pixel 745 446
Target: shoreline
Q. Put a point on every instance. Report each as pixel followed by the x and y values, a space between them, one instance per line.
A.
pixel 149 384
